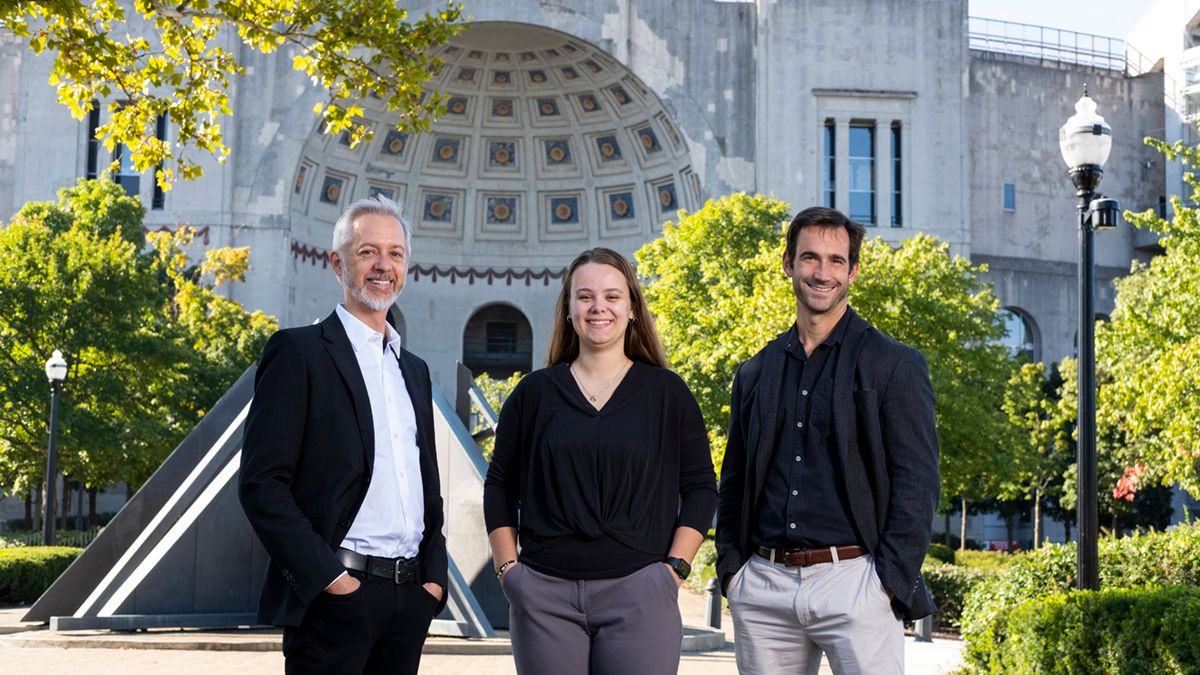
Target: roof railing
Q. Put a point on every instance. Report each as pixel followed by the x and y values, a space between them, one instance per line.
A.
pixel 1054 44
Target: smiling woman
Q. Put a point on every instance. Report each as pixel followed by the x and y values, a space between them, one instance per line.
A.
pixel 623 488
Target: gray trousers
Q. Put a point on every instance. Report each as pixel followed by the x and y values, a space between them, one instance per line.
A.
pixel 624 626
pixel 785 617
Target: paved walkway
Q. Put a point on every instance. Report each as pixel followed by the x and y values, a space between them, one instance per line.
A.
pixel 178 652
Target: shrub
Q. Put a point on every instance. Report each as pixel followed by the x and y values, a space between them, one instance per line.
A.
pixel 992 562
pixel 941 552
pixel 1123 630
pixel 949 585
pixel 26 573
pixel 1161 559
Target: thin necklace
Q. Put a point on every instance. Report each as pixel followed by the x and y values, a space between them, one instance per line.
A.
pixel 590 396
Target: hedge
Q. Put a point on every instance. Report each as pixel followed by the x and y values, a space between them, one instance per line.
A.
pixel 26 572
pixel 949 585
pixel 992 562
pixel 1155 559
pixel 1116 631
pixel 941 552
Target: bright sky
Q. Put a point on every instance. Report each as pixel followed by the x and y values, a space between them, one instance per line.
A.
pixel 1110 18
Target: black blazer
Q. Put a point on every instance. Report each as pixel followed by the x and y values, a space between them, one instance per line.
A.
pixel 307 457
pixel 886 434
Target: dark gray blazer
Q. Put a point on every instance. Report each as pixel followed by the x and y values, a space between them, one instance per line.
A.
pixel 307 458
pixel 886 435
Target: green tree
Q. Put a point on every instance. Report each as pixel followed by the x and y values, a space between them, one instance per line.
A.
pixel 1129 496
pixel 1150 350
pixel 495 391
pixel 171 58
pixel 715 284
pixel 1042 448
pixel 149 341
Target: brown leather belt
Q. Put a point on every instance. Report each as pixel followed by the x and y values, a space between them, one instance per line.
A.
pixel 803 557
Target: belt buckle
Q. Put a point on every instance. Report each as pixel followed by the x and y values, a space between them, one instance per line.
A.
pixel 396 572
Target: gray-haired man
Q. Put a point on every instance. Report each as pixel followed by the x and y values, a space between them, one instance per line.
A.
pixel 339 472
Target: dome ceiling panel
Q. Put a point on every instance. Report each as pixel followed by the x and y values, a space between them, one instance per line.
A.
pixel 545 139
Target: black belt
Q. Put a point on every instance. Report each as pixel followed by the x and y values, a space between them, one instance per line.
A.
pixel 399 570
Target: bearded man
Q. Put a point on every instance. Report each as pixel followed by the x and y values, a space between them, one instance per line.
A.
pixel 830 477
pixel 339 472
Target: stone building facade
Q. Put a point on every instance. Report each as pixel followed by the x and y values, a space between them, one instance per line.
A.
pixel 589 123
pixel 577 123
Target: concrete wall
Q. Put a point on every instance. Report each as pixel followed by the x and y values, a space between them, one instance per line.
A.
pixel 1015 111
pixel 882 61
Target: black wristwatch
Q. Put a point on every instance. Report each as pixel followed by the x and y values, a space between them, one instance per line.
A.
pixel 680 566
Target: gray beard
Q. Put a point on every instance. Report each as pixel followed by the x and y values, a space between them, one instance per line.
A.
pixel 360 293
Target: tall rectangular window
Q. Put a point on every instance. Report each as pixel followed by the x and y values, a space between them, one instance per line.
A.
pixel 830 164
pixel 160 132
pixel 127 176
pixel 897 201
pixel 862 173
pixel 93 145
pixel 1010 197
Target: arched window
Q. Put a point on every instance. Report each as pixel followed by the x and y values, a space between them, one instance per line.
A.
pixel 1021 335
pixel 498 340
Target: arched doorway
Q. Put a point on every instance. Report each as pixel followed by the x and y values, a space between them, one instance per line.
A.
pixel 497 340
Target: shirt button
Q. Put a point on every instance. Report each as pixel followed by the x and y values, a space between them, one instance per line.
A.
pixel 797 458
pixel 795 492
pixel 799 425
pixel 792 525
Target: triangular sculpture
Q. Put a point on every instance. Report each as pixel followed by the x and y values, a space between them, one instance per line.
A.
pixel 181 552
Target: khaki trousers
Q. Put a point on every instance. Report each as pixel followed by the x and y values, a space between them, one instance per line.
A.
pixel 784 618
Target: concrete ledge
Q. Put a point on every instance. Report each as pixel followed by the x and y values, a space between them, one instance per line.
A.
pixel 695 639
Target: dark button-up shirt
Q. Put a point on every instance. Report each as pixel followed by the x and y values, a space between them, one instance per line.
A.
pixel 804 502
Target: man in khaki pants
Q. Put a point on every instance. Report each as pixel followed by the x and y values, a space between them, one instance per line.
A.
pixel 830 477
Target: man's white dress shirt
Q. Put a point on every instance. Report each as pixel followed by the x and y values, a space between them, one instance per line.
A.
pixel 391 521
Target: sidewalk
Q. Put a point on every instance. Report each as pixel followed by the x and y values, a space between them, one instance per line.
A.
pixel 23 650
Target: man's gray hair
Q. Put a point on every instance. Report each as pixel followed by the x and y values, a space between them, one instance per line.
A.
pixel 374 205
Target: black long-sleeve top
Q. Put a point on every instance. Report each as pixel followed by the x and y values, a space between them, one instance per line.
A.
pixel 597 494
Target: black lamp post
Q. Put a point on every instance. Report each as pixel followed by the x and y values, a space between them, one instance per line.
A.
pixel 1085 141
pixel 56 372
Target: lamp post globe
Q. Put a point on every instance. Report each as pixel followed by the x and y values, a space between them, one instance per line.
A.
pixel 56 368
pixel 1086 141
pixel 56 373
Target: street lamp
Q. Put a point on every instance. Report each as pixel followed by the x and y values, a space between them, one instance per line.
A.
pixel 1085 141
pixel 56 372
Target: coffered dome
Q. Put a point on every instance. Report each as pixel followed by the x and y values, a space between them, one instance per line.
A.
pixel 548 146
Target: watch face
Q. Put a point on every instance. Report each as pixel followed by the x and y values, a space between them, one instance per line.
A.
pixel 681 567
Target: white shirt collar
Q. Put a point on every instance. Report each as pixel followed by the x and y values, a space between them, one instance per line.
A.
pixel 360 333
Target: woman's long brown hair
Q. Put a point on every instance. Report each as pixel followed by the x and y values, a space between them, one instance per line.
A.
pixel 641 340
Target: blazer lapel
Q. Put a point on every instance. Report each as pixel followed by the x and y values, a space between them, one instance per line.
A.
pixel 337 344
pixel 770 386
pixel 416 392
pixel 843 383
